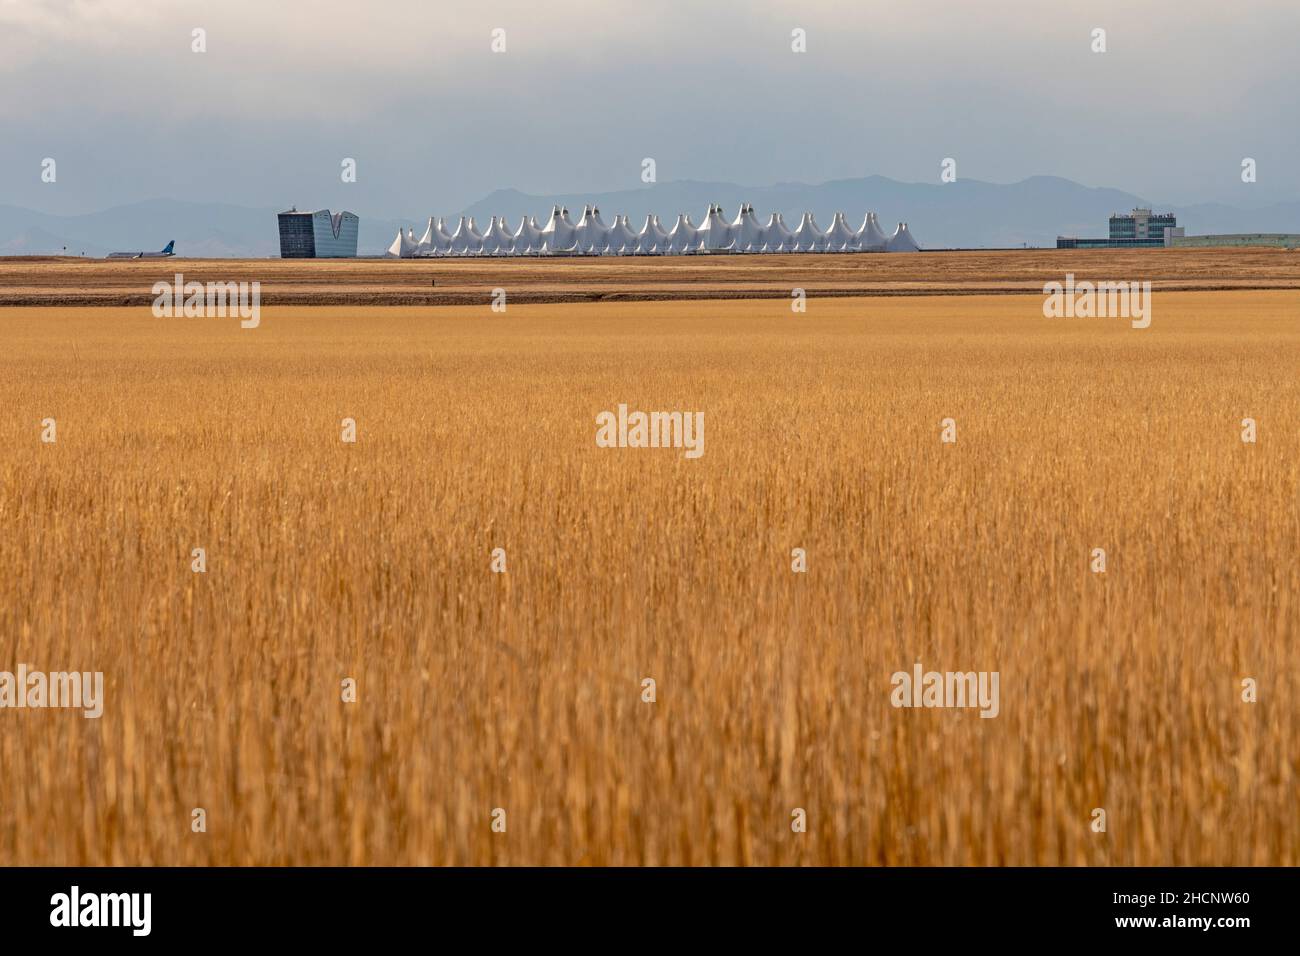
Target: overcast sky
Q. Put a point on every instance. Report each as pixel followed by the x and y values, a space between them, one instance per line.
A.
pixel 587 88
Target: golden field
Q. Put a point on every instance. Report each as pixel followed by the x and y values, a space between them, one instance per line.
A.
pixel 66 281
pixel 522 690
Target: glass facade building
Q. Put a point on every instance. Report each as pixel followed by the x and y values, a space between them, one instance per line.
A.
pixel 1140 229
pixel 318 235
pixel 1141 224
pixel 1069 242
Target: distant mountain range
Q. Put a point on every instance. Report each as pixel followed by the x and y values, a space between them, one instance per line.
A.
pixel 967 213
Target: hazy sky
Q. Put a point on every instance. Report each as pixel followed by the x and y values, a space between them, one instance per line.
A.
pixel 585 90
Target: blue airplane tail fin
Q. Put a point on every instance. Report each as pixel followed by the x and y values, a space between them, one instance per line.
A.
pixel 167 250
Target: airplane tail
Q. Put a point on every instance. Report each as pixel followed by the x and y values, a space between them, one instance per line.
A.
pixel 167 250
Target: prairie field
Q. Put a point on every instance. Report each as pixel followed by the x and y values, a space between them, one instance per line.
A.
pixel 523 691
pixel 66 281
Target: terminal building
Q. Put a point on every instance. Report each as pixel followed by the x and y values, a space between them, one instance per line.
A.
pixel 1279 240
pixel 1139 229
pixel 318 235
pixel 1141 224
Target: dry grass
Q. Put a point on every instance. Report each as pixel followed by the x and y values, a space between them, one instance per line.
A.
pixel 522 690
pixel 64 282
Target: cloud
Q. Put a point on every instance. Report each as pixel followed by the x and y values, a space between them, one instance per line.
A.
pixel 589 87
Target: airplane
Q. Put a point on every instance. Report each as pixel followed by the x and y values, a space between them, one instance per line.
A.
pixel 166 253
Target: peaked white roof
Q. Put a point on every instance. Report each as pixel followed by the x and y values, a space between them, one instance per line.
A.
pixel 652 240
pixel 870 237
pixel 902 241
pixel 749 234
pixel 558 233
pixel 404 245
pixel 527 237
pixel 622 240
pixel 428 243
pixel 809 237
pixel 839 237
pixel 497 239
pixel 466 240
pixel 590 235
pixel 681 238
pixel 715 233
pixel 776 237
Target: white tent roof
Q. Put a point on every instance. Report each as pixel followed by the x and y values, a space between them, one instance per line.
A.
pixel 622 240
pixel 435 240
pixel 592 233
pixel 466 240
pixel 557 235
pixel 776 237
pixel 442 235
pixel 839 237
pixel 809 237
pixel 497 239
pixel 715 233
pixel 870 237
pixel 902 241
pixel 681 237
pixel 745 233
pixel 652 239
pixel 428 243
pixel 748 232
pixel 404 245
pixel 527 237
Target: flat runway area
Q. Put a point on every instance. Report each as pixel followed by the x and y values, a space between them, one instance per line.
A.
pixel 99 282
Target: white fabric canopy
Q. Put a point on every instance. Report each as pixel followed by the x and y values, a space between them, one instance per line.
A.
pixel 747 231
pixel 497 240
pixel 557 235
pixel 809 237
pixel 902 241
pixel 591 236
pixel 715 233
pixel 652 240
pixel 404 245
pixel 839 237
pixel 681 238
pixel 776 237
pixel 622 240
pixel 466 240
pixel 870 237
pixel 428 243
pixel 527 238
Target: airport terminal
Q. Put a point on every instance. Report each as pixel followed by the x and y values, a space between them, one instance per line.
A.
pixel 1142 229
pixel 591 236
